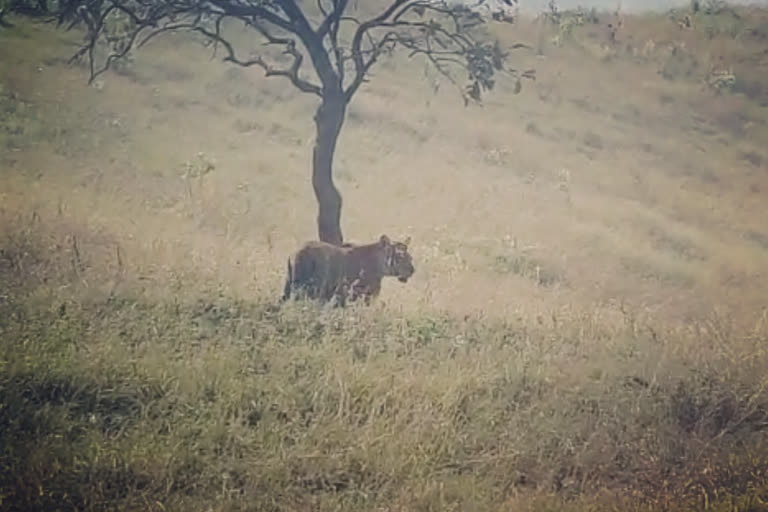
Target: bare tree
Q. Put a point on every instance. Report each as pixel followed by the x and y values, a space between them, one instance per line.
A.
pixel 341 44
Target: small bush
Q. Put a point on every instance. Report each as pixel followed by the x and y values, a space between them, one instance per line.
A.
pixel 526 266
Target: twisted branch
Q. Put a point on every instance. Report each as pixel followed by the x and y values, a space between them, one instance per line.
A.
pixel 428 28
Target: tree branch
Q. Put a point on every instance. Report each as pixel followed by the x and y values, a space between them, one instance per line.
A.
pixel 332 18
pixel 361 66
pixel 338 9
pixel 221 9
pixel 445 46
pixel 430 28
pixel 361 70
pixel 313 43
pixel 322 9
pixel 291 73
pixel 392 19
pixel 252 12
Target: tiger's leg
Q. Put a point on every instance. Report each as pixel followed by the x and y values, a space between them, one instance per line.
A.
pixel 340 295
pixel 346 292
pixel 372 292
pixel 357 289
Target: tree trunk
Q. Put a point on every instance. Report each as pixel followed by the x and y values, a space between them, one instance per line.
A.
pixel 328 120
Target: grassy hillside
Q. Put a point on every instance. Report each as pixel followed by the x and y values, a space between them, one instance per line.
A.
pixel 586 328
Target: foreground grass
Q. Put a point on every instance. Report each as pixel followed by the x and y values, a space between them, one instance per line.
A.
pixel 201 401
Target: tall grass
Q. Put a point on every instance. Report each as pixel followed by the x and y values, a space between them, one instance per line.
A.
pixel 199 401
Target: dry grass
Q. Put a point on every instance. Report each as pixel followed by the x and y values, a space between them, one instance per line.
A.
pixel 586 326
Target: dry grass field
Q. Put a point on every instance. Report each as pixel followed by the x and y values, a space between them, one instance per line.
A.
pixel 586 328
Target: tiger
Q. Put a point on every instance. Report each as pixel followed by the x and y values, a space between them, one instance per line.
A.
pixel 328 272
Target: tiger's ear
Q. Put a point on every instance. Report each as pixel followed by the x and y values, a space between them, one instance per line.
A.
pixel 384 241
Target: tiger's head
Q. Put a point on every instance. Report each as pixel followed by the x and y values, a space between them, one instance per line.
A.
pixel 398 261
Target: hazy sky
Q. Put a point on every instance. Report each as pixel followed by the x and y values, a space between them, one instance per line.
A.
pixel 627 5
